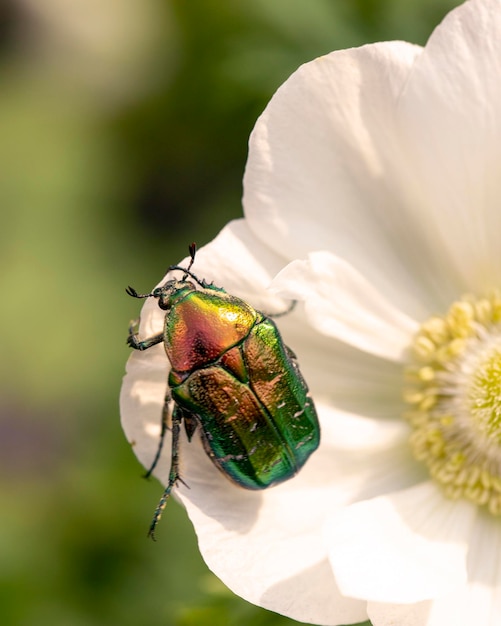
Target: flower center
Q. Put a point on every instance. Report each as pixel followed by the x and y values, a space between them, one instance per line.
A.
pixel 454 389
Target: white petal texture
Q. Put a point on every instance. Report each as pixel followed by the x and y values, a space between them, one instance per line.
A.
pixel 419 540
pixel 358 315
pixel 450 109
pixel 477 602
pixel 371 197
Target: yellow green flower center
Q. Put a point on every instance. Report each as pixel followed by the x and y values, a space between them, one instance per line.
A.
pixel 454 392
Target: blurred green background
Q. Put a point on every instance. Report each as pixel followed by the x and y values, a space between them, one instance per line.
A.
pixel 123 137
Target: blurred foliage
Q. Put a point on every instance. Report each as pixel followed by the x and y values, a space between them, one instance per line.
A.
pixel 124 129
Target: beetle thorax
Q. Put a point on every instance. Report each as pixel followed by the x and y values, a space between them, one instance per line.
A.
pixel 202 325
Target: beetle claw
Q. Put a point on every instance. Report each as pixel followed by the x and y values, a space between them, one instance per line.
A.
pixel 180 480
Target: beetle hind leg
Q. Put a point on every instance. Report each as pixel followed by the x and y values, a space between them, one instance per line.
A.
pixel 174 477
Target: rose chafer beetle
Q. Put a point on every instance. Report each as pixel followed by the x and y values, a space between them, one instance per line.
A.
pixel 234 379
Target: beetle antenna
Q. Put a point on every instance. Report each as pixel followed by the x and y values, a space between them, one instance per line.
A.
pixel 132 292
pixel 187 273
pixel 192 248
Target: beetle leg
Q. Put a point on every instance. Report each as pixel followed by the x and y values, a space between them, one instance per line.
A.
pixel 133 338
pixel 164 429
pixel 177 418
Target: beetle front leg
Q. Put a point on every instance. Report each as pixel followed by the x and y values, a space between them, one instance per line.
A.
pixel 177 418
pixel 133 338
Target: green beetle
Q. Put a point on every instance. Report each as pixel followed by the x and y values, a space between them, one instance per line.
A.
pixel 232 377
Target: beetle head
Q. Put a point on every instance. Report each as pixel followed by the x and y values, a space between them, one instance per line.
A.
pixel 170 292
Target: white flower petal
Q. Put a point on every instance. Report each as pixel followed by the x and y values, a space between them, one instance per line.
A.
pixel 418 614
pixel 341 303
pixel 367 457
pixel 477 602
pixel 266 546
pixel 351 432
pixel 243 265
pixel 451 132
pixel 315 126
pixel 354 381
pixel 403 547
pixel 484 570
pixel 387 157
pixel 322 173
pixel 266 574
pixel 141 399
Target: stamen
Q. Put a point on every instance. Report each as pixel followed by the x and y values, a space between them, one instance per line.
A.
pixel 453 387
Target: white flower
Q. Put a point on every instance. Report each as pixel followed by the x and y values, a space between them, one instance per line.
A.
pixel 377 172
